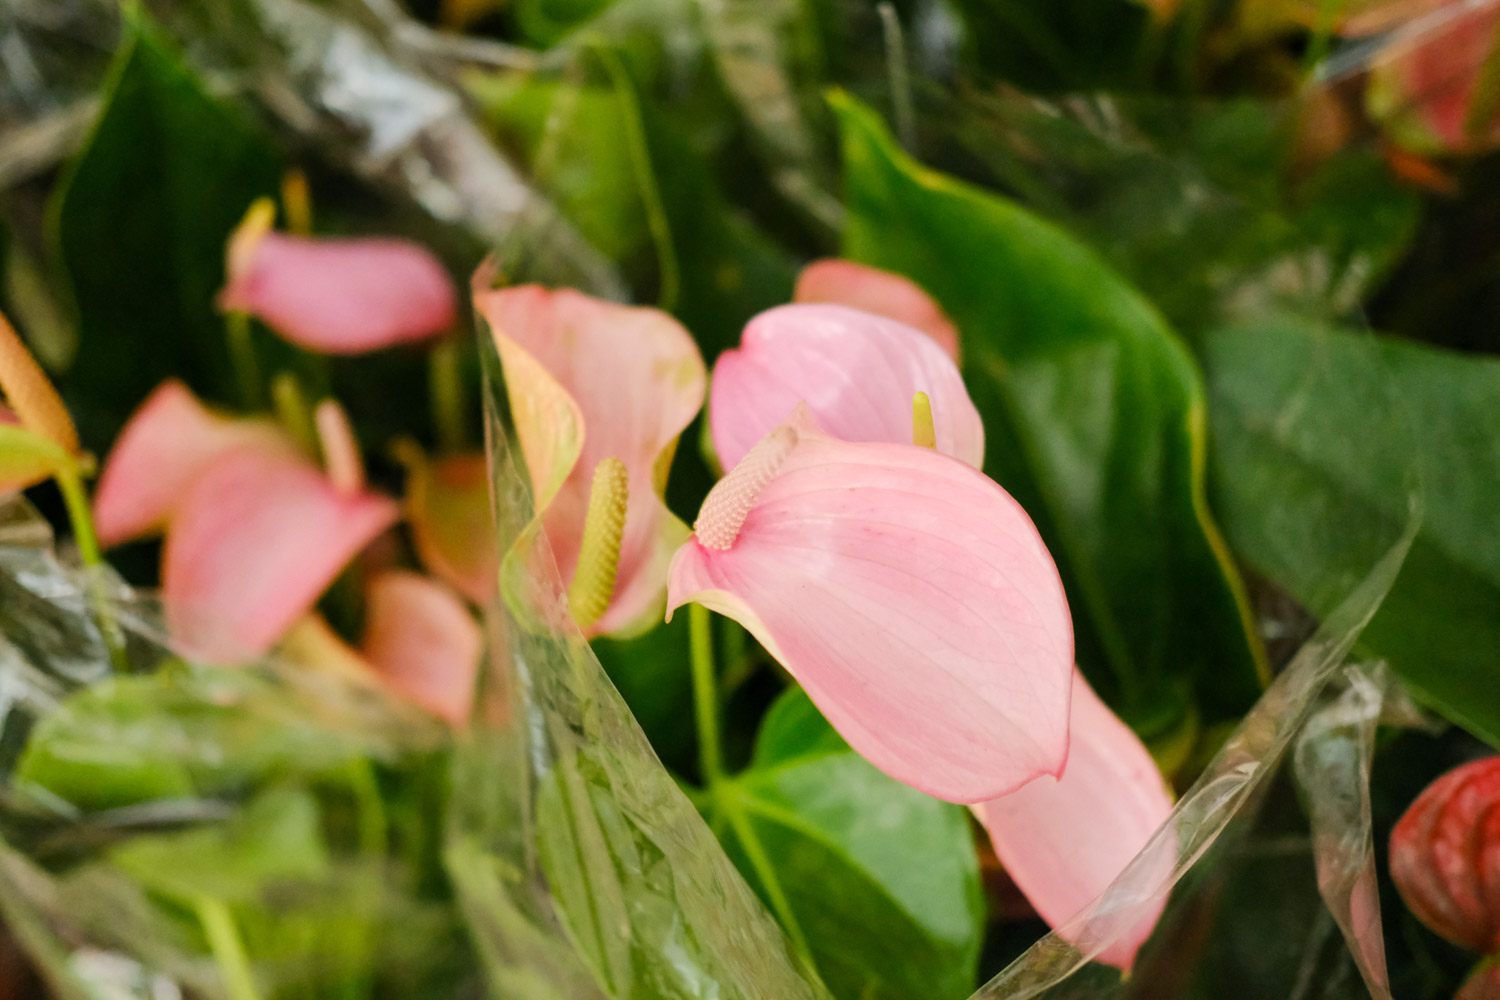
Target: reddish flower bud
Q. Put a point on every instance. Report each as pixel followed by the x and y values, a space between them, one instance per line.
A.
pixel 1482 985
pixel 1445 856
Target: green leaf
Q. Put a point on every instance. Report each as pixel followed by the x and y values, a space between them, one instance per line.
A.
pixel 1095 421
pixel 140 223
pixel 181 733
pixel 880 880
pixel 1322 438
pixel 277 838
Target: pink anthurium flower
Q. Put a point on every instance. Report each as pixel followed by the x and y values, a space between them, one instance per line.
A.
pixel 856 371
pixel 258 536
pixel 1064 840
pixel 589 381
pixel 885 293
pixel 336 296
pixel 424 644
pixel 420 643
pixel 165 446
pixel 255 530
pixel 909 595
pixel 448 510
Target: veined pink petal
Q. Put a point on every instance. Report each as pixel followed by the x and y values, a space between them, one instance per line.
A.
pixel 857 373
pixel 342 296
pixel 885 293
pixel 590 380
pixel 166 444
pixel 423 642
pixel 257 537
pixel 909 594
pixel 1064 841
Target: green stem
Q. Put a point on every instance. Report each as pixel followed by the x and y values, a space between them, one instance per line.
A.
pixel 755 852
pixel 445 388
pixel 705 693
pixel 294 413
pixel 76 500
pixel 373 827
pixel 229 952
pixel 238 337
pixel 640 162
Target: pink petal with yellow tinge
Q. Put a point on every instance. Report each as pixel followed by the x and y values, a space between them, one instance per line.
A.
pixel 165 445
pixel 257 537
pixel 422 641
pixel 448 509
pixel 342 296
pixel 857 373
pixel 909 595
pixel 1064 841
pixel 590 380
pixel 885 293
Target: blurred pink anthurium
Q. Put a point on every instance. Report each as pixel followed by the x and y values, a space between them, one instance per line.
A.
pixel 884 293
pixel 448 510
pixel 1064 840
pixel 1425 88
pixel 591 381
pixel 336 296
pixel 910 596
pixel 856 371
pixel 255 531
pixel 420 643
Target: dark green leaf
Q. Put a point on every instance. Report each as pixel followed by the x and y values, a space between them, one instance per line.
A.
pixel 1322 439
pixel 1095 420
pixel 141 223
pixel 880 880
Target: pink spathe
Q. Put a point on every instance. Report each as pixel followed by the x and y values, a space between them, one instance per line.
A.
pixel 256 537
pixel 1063 841
pixel 857 373
pixel 422 641
pixel 590 380
pixel 885 293
pixel 909 595
pixel 165 446
pixel 341 296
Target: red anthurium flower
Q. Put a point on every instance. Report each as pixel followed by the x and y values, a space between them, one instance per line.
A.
pixel 1063 841
pixel 1445 856
pixel 909 595
pixel 255 530
pixel 1424 87
pixel 592 382
pixel 857 373
pixel 336 296
pixel 885 293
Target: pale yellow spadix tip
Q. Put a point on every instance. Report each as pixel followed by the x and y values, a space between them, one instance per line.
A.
pixel 258 220
pixel 599 554
pixel 923 433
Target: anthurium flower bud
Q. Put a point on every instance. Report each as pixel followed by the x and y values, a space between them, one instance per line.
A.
pixel 1483 984
pixel 1063 841
pixel 337 296
pixel 589 381
pixel 909 595
pixel 857 373
pixel 885 293
pixel 448 510
pixel 29 394
pixel 1445 855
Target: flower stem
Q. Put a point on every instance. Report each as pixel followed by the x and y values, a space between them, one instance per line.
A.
pixel 242 358
pixel 229 952
pixel 705 693
pixel 445 387
pixel 76 500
